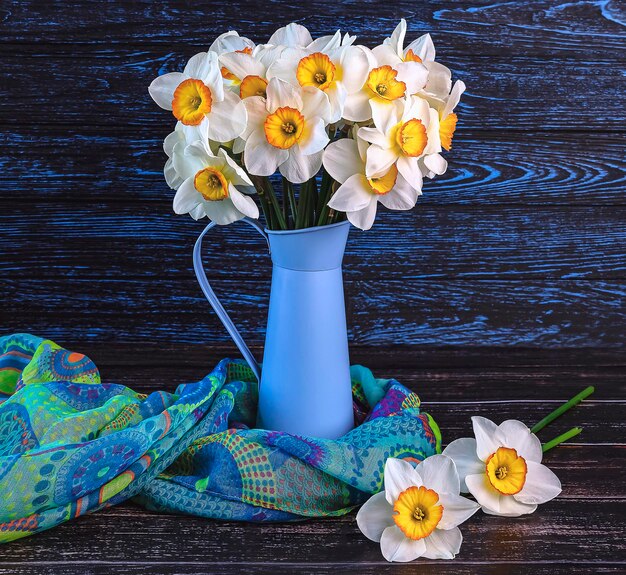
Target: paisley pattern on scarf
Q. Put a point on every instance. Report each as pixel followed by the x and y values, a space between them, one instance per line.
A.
pixel 71 445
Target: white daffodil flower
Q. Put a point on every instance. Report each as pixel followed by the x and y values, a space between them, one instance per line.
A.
pixel 385 84
pixel 359 194
pixel 501 467
pixel 338 70
pixel 180 134
pixel 422 50
pixel 286 130
pixel 212 185
pixel 197 98
pixel 297 36
pixel 418 513
pixel 403 134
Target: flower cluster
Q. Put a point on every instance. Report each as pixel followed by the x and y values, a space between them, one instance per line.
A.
pixel 372 123
pixel 418 513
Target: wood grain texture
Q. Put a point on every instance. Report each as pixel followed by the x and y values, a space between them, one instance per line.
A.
pixel 575 30
pixel 487 168
pixel 505 313
pixel 472 243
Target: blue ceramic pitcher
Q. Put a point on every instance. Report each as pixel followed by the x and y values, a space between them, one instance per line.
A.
pixel 305 383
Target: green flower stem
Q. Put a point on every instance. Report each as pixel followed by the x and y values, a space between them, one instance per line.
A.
pixel 312 203
pixel 290 196
pixel 561 438
pixel 562 409
pixel 324 197
pixel 303 205
pixel 269 190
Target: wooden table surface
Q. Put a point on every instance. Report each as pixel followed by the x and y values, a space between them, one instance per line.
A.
pixel 501 294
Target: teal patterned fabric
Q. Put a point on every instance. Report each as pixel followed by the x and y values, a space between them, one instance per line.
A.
pixel 71 445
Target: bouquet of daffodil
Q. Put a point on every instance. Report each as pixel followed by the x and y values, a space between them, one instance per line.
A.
pixel 345 125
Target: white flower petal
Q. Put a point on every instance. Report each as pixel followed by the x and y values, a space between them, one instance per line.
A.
pixel 198 212
pixel 516 435
pixel 229 42
pixel 353 195
pixel 357 107
pixel 199 66
pixel 172 179
pixel 196 133
pixel 172 139
pixel 280 93
pixel 245 204
pixel 436 163
pixel 396 40
pixel 314 137
pixel 439 79
pixel 442 544
pixel 325 44
pixel 242 65
pixel 439 473
pixel 410 171
pixel 257 114
pixel 399 476
pixel 342 160
pixel 300 167
pixel 463 453
pixel 187 165
pixel 227 119
pixel 222 212
pixel 395 546
pixel 260 157
pixel 456 510
pixel 336 95
pixel 364 219
pixel 236 173
pixel 413 74
pixel 285 67
pixel 492 502
pixel 541 485
pixel 488 437
pixel 453 98
pixel 186 198
pixel 375 516
pixel 315 104
pixel 386 114
pixel 374 136
pixel 401 197
pixel 423 47
pixel 386 55
pixel 162 89
pixel 355 66
pixel 379 161
pixel 292 35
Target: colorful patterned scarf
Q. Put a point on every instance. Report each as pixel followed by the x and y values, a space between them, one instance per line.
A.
pixel 71 445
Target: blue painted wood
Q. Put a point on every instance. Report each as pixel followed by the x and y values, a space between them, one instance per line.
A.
pixel 576 30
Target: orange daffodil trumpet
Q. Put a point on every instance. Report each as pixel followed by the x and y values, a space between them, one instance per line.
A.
pixel 419 511
pixel 286 131
pixel 378 119
pixel 501 467
pixel 198 100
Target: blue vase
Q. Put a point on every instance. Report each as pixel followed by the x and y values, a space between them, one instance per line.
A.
pixel 305 385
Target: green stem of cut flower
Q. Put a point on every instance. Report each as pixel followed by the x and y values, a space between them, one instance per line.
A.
pixel 562 409
pixel 324 197
pixel 561 438
pixel 291 200
pixel 269 189
pixel 303 205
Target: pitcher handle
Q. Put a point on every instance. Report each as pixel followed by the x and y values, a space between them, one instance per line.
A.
pixel 215 302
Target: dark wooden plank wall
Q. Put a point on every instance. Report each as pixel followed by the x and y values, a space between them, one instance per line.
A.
pixel 522 243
